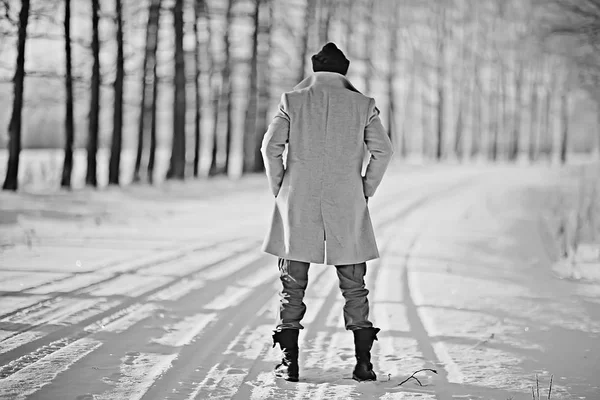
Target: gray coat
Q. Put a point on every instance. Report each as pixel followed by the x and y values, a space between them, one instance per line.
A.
pixel 320 213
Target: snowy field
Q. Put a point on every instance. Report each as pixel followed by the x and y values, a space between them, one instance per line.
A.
pixel 488 275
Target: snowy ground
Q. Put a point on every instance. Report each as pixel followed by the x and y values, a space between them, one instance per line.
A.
pixel 146 293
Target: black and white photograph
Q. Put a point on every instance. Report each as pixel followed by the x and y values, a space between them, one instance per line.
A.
pixel 300 199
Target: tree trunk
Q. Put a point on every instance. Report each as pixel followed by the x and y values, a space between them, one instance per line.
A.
pixel 409 108
pixel 264 87
pixel 516 132
pixel 214 165
pixel 145 116
pixel 477 134
pixel 115 149
pixel 325 12
pixel 348 26
pixel 153 106
pixel 332 7
pixel 309 16
pixel 441 76
pixel 475 88
pixel 546 131
pixel 469 113
pixel 533 117
pixel 69 118
pixel 564 137
pixel 505 117
pixel 198 13
pixel 14 127
pixel 251 109
pixel 392 65
pixel 368 46
pixel 177 165
pixel 222 100
pixel 94 122
pixel 597 149
pixel 225 98
pixel 460 126
pixel 495 120
pixel 458 136
pixel 548 136
pixel 425 122
pixel 214 93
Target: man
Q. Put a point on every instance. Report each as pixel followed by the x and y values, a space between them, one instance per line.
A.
pixel 321 213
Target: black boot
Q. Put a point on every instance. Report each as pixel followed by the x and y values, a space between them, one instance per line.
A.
pixel 288 341
pixel 363 342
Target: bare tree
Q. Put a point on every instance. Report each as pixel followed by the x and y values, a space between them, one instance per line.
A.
pixel 146 124
pixel 391 76
pixel 580 20
pixel 442 32
pixel 223 98
pixel 69 119
pixel 309 18
pixel 264 79
pixel 325 11
pixel 199 13
pixel 177 164
pixel 348 26
pixel 463 93
pixel 514 148
pixel 251 109
pixel 564 137
pixel 115 150
pixel 534 115
pixel 14 127
pixel 369 38
pixel 94 117
pixel 473 105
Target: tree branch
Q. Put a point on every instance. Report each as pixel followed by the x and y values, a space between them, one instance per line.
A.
pixel 415 378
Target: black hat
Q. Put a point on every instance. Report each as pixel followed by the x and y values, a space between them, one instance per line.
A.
pixel 330 59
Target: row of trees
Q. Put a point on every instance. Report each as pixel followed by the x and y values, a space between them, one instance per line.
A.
pixel 576 23
pixel 453 78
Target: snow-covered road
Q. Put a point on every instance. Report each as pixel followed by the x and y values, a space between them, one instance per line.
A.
pixel 164 294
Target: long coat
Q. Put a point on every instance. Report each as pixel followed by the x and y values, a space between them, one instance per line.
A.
pixel 321 214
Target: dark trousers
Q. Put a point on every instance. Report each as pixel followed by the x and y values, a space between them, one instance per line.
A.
pixel 294 278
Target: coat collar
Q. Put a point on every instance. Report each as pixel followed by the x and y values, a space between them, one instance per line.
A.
pixel 326 78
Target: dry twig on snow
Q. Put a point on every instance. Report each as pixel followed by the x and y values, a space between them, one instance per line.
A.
pixel 415 378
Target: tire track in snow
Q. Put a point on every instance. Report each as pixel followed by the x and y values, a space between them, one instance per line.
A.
pixel 188 374
pixel 179 334
pixel 450 377
pixel 75 283
pixel 20 357
pixel 431 351
pixel 32 378
pixel 137 373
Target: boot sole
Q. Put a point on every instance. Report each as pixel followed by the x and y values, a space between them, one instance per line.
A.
pixel 287 378
pixel 356 378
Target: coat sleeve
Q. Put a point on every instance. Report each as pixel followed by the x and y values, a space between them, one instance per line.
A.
pixel 273 146
pixel 380 146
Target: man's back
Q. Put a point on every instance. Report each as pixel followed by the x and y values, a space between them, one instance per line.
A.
pixel 321 194
pixel 327 123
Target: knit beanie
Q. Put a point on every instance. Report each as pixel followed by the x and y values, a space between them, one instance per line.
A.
pixel 330 59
